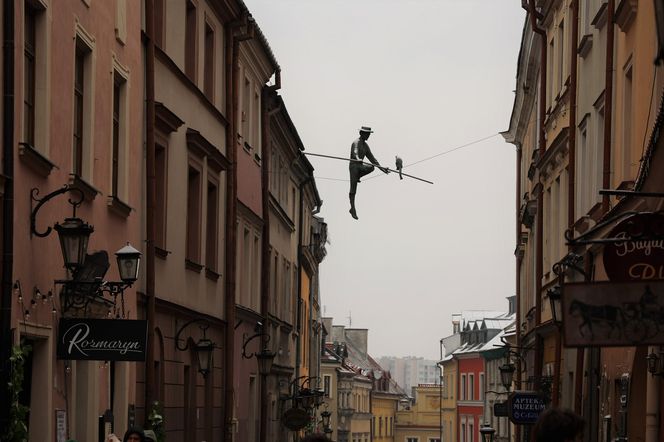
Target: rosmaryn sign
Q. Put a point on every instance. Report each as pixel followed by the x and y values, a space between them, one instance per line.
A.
pixel 102 339
pixel 524 407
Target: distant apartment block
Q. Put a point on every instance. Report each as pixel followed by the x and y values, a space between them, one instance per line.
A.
pixel 410 371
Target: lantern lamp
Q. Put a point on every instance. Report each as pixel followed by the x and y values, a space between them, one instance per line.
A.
pixel 74 235
pixel 129 260
pixel 487 432
pixel 506 375
pixel 204 348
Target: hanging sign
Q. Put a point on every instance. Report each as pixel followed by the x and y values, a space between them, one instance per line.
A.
pixel 524 407
pixel 102 339
pixel 641 255
pixel 609 314
pixel 295 419
pixel 500 409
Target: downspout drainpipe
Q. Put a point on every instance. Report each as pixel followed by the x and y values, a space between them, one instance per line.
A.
pixel 540 197
pixel 150 224
pixel 7 206
pixel 232 51
pixel 298 350
pixel 608 105
pixel 265 257
pixel 519 154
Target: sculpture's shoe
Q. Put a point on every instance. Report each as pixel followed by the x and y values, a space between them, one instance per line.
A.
pixel 353 213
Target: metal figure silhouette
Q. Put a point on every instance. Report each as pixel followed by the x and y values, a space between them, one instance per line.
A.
pixel 357 168
pixel 399 166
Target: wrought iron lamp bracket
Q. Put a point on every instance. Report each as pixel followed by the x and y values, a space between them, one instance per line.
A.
pixel 570 261
pixel 34 192
pixel 204 326
pixel 636 233
pixel 78 294
pixel 265 339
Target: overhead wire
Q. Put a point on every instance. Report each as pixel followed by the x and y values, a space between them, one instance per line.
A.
pixel 471 143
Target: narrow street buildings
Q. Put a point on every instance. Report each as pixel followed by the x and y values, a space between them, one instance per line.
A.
pixel 586 117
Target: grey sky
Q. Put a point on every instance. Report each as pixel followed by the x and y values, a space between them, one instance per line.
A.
pixel 427 76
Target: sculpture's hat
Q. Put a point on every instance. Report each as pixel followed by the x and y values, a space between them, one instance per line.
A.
pixel 366 129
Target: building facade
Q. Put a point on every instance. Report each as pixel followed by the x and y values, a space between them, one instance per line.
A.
pixel 73 73
pixel 418 418
pixel 159 117
pixel 410 371
pixel 586 117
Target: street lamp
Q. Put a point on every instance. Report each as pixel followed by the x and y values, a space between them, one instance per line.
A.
pixel 655 364
pixel 129 260
pixel 265 357
pixel 85 286
pixel 555 299
pixel 507 374
pixel 74 235
pixel 203 347
pixel 487 432
pixel 325 416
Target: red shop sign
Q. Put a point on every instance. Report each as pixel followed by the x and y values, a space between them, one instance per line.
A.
pixel 639 257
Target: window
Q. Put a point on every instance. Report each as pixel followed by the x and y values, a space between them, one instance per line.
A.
pixel 29 74
pixel 627 124
pixel 326 385
pixel 255 121
pixel 481 386
pixel 412 439
pixel 549 76
pixel 463 387
pixel 246 111
pixel 159 22
pixel 583 169
pixel 208 63
pixel 598 157
pixel 471 387
pixel 119 144
pixel 161 168
pixel 471 432
pixel 561 55
pixel 193 214
pixel 380 426
pixel 79 92
pixel 212 226
pixel 434 439
pixel 190 41
pixel 246 266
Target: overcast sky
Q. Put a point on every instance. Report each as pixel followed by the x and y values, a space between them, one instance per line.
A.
pixel 427 76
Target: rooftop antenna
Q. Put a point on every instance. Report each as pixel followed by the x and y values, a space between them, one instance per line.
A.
pixel 350 319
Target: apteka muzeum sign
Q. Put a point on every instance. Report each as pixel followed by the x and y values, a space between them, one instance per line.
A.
pixel 102 339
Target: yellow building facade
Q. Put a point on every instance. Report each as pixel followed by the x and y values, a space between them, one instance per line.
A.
pixel 449 399
pixel 419 421
pixel 384 409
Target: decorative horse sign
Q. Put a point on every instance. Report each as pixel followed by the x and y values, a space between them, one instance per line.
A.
pixel 608 314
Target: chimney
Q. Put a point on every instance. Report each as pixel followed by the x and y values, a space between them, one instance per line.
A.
pixel 456 323
pixel 359 337
pixel 338 333
pixel 327 323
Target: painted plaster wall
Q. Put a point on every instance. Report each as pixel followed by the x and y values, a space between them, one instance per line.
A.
pixel 38 261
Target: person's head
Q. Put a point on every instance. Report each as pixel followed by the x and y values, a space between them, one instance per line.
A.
pixel 365 132
pixel 559 425
pixel 134 435
pixel 150 436
pixel 316 438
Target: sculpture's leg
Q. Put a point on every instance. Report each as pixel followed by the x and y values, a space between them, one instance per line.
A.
pixel 352 211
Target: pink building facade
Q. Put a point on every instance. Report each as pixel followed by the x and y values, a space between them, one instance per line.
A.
pixel 77 113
